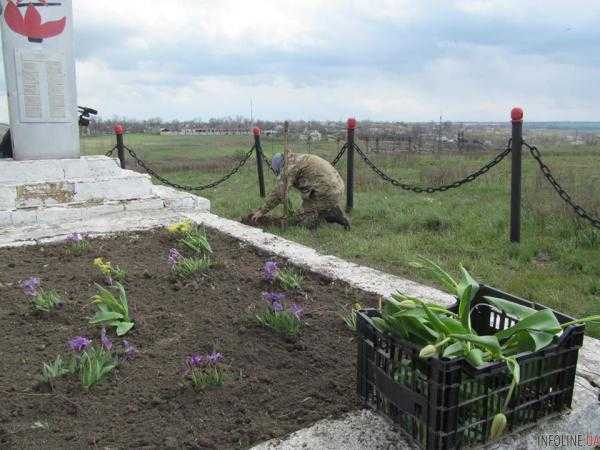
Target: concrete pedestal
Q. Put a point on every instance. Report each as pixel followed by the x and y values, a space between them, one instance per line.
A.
pixel 53 192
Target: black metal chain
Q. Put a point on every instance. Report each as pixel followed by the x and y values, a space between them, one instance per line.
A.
pixel 559 189
pixel 339 155
pixel 163 180
pixel 431 190
pixel 110 152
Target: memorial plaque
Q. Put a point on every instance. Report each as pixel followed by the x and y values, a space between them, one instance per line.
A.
pixel 41 86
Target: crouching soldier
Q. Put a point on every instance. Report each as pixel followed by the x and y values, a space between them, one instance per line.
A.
pixel 320 186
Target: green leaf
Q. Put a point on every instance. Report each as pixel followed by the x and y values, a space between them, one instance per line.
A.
pixel 105 316
pixel 529 341
pixel 467 289
pixel 453 325
pixel 442 276
pixel 453 350
pixel 124 327
pixel 544 320
pixel 490 343
pixel 512 309
pixel 475 357
pixel 434 320
pixel 421 331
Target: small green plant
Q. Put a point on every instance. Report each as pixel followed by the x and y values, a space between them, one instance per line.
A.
pixel 43 301
pixel 56 369
pixel 205 371
pixel 112 310
pixel 95 365
pixel 288 279
pixel 350 317
pixel 196 240
pixel 184 267
pixel 92 364
pixel 111 273
pixel 276 317
pixel 77 244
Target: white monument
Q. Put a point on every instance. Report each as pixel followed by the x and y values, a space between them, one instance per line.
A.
pixel 37 43
pixel 47 189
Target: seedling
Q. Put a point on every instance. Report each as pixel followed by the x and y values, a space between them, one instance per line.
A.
pixel 77 244
pixel 184 267
pixel 112 310
pixel 288 279
pixel 275 316
pixel 350 317
pixel 205 371
pixel 44 301
pixel 54 370
pixel 197 241
pixel 95 365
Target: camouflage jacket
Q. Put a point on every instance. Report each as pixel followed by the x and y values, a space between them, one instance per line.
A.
pixel 315 178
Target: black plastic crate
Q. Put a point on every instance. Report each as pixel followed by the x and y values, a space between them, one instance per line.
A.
pixel 445 404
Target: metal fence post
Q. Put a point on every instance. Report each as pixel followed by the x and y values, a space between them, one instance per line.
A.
pixel 516 181
pixel 350 165
pixel 119 131
pixel 259 161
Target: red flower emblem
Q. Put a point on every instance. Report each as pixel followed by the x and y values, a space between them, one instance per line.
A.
pixel 31 25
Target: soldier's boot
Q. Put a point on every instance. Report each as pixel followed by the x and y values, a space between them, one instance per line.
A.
pixel 336 215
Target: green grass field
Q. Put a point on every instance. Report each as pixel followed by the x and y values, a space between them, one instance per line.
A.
pixel 557 263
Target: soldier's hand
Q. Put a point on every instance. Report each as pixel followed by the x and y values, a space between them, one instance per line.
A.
pixel 256 216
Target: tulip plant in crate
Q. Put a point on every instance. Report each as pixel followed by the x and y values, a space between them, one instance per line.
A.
pixel 459 377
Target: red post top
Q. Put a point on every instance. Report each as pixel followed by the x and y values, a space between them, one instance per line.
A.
pixel 119 130
pixel 517 114
pixel 352 123
pixel 256 131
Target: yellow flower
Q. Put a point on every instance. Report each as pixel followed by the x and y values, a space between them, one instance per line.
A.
pixel 180 228
pixel 357 307
pixel 104 267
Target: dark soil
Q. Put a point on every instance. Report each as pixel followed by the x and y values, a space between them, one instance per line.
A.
pixel 277 385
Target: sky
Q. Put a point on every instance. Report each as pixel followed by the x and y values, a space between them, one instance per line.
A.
pixel 396 60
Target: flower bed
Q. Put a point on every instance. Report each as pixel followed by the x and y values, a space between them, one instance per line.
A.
pixel 272 383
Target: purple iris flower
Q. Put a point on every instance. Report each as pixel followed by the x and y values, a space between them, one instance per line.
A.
pixel 74 238
pixel 79 343
pixel 130 351
pixel 214 358
pixel 273 297
pixel 30 286
pixel 297 311
pixel 195 361
pixel 270 271
pixel 106 342
pixel 174 257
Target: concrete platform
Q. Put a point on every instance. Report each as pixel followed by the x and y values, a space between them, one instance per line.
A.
pixel 45 194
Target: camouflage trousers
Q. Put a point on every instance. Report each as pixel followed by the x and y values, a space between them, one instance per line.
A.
pixel 314 209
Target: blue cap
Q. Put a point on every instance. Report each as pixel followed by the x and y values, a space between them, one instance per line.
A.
pixel 277 163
